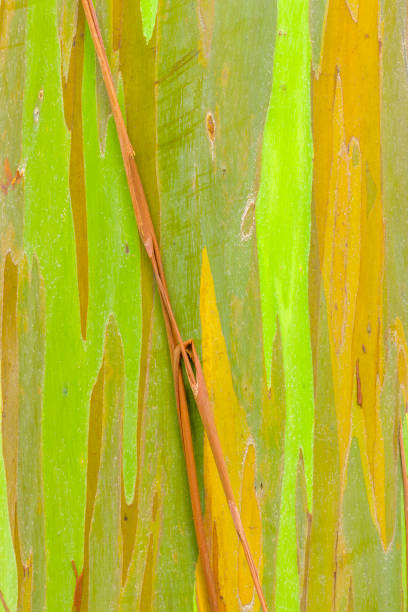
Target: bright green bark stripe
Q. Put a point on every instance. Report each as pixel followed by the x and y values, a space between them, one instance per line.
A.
pixel 105 540
pixel 283 233
pixel 114 257
pixel 148 8
pixel 8 570
pixel 48 232
pixel 114 286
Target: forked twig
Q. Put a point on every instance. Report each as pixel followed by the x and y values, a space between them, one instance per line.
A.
pixel 178 349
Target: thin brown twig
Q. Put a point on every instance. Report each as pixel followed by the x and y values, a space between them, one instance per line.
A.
pixel 3 601
pixel 178 349
pixel 405 490
pixel 74 567
pixel 187 441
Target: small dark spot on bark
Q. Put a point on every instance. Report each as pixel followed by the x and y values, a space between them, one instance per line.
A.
pixel 261 485
pixel 126 248
pixel 364 348
pixel 41 94
pixel 125 518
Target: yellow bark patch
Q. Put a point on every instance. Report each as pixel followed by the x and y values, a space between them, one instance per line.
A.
pixel 252 523
pixel 341 263
pixel 234 583
pixel 349 218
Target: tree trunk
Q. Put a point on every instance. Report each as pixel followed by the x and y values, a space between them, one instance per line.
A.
pixel 272 143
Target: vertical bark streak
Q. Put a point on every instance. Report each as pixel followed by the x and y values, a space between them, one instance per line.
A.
pixel 72 93
pixel 177 347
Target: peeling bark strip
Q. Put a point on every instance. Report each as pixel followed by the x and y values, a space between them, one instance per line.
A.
pixel 178 349
pixel 72 96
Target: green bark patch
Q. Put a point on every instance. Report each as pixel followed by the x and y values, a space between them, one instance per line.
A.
pixel 283 236
pixel 148 9
pixel 376 574
pixel 105 541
